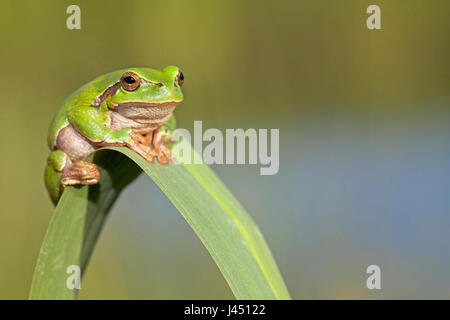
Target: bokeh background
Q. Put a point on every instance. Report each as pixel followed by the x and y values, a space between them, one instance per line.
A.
pixel 364 125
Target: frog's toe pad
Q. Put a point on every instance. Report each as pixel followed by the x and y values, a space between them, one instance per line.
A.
pixel 165 156
pixel 81 172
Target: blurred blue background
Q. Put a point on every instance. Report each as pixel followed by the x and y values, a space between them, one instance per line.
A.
pixel 364 140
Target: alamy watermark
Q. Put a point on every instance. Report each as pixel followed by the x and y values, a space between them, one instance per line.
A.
pixel 238 146
pixel 374 280
pixel 73 21
pixel 373 22
pixel 74 280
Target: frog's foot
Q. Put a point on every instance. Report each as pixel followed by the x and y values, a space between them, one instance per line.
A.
pixel 80 172
pixel 164 155
pixel 144 150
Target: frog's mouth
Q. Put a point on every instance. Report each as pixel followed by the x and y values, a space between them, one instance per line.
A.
pixel 144 104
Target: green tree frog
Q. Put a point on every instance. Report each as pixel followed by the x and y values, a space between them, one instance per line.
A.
pixel 131 107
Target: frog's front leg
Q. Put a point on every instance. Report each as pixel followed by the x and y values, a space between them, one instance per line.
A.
pixel 156 140
pixel 142 146
pixel 160 140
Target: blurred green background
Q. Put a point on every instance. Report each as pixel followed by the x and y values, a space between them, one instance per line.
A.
pixel 364 125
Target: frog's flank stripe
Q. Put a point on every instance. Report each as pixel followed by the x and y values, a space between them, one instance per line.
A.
pixel 111 90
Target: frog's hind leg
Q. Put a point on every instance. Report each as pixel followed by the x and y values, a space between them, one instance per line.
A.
pixel 80 172
pixel 55 164
pixel 61 172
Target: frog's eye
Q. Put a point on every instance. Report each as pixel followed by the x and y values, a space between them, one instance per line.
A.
pixel 180 78
pixel 130 81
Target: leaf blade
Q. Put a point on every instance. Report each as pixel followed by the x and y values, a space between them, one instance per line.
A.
pixel 218 219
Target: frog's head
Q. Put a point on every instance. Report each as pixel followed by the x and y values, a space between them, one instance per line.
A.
pixel 148 87
pixel 142 94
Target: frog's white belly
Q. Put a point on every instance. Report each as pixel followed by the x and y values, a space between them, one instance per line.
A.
pixel 141 119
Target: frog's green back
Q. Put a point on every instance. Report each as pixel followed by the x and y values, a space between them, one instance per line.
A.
pixel 82 97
